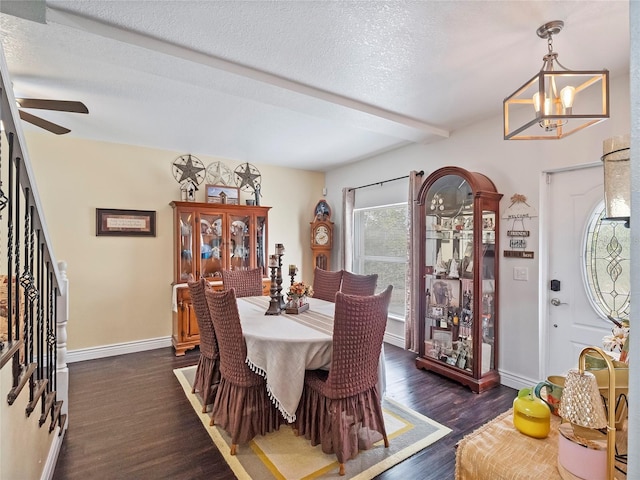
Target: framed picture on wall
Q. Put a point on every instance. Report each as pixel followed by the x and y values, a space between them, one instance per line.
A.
pixel 125 223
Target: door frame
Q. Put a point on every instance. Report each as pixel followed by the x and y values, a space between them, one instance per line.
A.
pixel 544 293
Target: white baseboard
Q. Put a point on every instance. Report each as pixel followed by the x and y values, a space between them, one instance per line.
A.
pixel 153 343
pixel 506 378
pixel 393 339
pixel 515 381
pixel 117 349
pixel 52 457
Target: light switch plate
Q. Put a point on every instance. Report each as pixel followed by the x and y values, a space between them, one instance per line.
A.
pixel 521 273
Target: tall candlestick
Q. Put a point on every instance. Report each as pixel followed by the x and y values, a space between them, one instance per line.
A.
pixel 279 295
pixel 274 303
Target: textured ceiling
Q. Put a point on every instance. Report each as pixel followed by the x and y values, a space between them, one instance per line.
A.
pixel 306 84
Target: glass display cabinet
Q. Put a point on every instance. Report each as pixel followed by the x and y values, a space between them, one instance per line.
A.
pixel 209 238
pixel 458 312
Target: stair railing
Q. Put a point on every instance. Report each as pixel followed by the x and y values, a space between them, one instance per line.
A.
pixel 33 300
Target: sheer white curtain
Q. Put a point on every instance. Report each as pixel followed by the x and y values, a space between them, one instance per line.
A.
pixel 414 270
pixel 348 201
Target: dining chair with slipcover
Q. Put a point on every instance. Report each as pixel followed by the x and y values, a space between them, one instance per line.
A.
pixel 343 405
pixel 208 370
pixel 326 284
pixel 355 284
pixel 247 283
pixel 242 406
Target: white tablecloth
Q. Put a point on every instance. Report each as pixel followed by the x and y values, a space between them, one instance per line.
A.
pixel 282 347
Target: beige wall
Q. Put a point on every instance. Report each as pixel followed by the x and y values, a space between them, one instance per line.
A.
pixel 120 287
pixel 24 445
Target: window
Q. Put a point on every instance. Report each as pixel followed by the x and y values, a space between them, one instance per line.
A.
pixel 380 246
pixel 607 265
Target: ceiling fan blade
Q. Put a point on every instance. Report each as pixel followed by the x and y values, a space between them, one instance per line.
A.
pixel 59 105
pixel 42 123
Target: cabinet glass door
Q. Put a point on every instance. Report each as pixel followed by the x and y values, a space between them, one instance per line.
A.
pixel 211 245
pixel 449 272
pixel 240 245
pixel 488 290
pixel 185 262
pixel 261 230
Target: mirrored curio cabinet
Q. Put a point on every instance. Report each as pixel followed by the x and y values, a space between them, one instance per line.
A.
pixel 458 304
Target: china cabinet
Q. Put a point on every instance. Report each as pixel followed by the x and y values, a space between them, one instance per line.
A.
pixel 458 310
pixel 209 238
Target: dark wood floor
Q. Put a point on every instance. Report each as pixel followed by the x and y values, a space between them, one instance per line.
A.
pixel 129 419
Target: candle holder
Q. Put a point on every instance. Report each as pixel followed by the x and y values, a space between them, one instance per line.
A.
pixel 274 304
pixel 281 303
pixel 292 273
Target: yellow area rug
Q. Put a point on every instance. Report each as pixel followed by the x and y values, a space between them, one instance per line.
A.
pixel 283 456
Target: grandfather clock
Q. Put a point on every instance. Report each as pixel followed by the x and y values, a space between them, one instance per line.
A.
pixel 322 236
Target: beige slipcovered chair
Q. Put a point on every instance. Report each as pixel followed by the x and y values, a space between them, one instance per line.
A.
pixel 354 284
pixel 208 369
pixel 242 406
pixel 247 283
pixel 326 284
pixel 339 404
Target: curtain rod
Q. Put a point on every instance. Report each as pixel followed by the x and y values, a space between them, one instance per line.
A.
pixel 420 173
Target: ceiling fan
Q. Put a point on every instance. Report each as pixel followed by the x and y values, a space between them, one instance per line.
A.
pixel 57 105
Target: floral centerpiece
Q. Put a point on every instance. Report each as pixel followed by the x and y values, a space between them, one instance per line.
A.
pixel 298 293
pixel 618 341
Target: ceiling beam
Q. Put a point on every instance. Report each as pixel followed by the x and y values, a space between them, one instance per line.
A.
pixel 70 19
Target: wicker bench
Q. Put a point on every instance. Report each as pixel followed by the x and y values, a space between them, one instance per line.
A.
pixel 497 451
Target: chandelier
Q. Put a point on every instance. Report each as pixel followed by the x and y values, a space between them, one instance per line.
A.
pixel 556 102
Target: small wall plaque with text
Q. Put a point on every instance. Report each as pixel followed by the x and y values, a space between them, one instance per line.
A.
pixel 518 254
pixel 517 233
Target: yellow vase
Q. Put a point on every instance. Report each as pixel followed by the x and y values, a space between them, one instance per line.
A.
pixel 531 415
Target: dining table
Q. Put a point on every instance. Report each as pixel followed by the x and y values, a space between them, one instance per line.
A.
pixel 281 347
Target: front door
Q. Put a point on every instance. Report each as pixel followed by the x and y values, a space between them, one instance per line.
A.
pixel 572 321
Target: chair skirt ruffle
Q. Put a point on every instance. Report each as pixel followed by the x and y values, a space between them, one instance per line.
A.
pixel 207 378
pixel 244 412
pixel 342 426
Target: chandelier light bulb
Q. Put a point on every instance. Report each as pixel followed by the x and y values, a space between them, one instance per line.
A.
pixel 536 102
pixel 567 95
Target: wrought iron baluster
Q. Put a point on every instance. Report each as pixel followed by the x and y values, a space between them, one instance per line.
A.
pixel 10 178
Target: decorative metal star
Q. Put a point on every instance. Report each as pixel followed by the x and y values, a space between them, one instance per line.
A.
pixel 184 168
pixel 219 174
pixel 247 177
